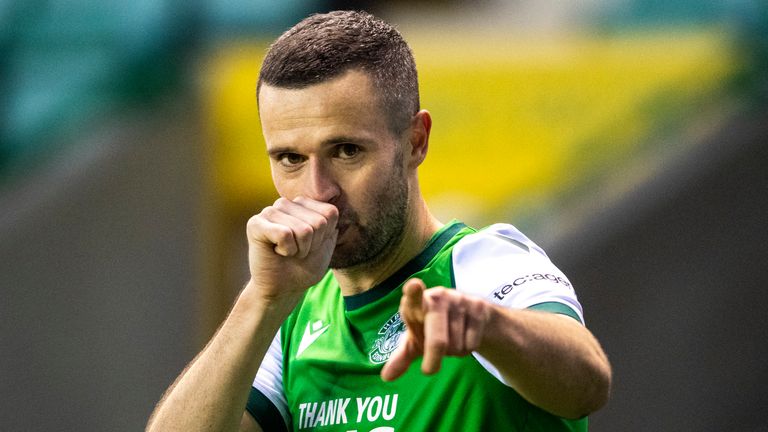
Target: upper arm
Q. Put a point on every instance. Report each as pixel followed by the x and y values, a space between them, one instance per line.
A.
pixel 503 266
pixel 507 269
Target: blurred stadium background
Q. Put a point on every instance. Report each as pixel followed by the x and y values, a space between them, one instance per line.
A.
pixel 628 137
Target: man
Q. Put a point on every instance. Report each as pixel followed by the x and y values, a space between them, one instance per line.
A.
pixel 365 346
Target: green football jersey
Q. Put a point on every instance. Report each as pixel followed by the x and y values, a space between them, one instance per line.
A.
pixel 322 371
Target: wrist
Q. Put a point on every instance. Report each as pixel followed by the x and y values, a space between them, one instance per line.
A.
pixel 499 334
pixel 254 296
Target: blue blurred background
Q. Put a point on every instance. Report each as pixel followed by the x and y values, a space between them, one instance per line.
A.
pixel 629 138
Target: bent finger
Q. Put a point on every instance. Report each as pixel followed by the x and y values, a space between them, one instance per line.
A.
pixel 329 211
pixel 457 325
pixel 278 236
pixel 436 331
pixel 476 320
pixel 303 232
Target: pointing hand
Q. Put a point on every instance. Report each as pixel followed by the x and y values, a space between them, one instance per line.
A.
pixel 440 322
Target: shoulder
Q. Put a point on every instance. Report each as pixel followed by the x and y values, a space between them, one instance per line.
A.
pixel 496 239
pixel 504 266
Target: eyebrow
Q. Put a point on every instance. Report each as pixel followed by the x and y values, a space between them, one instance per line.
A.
pixel 346 139
pixel 340 139
pixel 279 150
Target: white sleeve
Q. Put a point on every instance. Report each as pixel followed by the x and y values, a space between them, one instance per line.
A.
pixel 503 266
pixel 269 378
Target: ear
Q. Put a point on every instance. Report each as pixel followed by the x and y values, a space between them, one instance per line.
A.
pixel 419 138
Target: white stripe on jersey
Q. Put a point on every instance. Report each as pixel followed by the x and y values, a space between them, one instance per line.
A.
pixel 269 379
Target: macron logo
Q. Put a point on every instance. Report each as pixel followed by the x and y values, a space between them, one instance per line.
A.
pixel 311 333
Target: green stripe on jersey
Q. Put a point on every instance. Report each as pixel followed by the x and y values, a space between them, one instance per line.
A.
pixel 558 308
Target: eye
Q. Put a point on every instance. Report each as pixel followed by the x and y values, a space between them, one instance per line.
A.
pixel 290 159
pixel 347 151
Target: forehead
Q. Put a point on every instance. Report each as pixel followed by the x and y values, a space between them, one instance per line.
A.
pixel 344 105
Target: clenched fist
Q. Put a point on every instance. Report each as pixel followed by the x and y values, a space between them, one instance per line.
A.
pixel 290 244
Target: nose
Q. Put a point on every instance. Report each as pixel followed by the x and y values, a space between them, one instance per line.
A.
pixel 320 183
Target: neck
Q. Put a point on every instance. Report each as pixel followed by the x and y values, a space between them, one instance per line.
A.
pixel 419 227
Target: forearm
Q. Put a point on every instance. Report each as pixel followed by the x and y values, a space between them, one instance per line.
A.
pixel 212 392
pixel 551 360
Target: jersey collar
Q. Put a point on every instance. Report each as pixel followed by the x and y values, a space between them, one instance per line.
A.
pixel 436 243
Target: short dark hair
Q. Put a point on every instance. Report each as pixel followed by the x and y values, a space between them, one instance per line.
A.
pixel 324 46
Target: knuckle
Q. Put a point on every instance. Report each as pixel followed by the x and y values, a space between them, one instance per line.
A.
pixel 439 293
pixel 284 233
pixel 304 230
pixel 254 225
pixel 281 202
pixel 460 308
pixel 435 297
pixel 268 211
pixel 253 222
pixel 321 223
pixel 331 212
pixel 478 307
pixel 474 302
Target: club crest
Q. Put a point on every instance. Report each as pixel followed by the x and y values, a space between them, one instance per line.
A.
pixel 388 340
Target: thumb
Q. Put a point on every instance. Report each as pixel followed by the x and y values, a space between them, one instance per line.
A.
pixel 412 313
pixel 400 360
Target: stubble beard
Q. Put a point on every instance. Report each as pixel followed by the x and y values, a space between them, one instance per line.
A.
pixel 383 233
